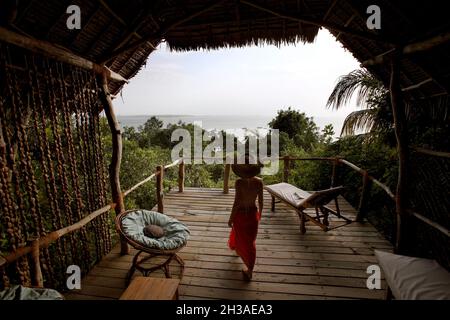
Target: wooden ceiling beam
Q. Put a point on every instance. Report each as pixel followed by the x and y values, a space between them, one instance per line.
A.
pixel 54 52
pixel 330 9
pixel 347 23
pixel 132 30
pixel 60 17
pixel 417 85
pixel 80 32
pixel 412 48
pixel 111 12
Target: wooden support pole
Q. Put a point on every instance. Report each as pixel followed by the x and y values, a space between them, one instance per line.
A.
pixel 401 134
pixel 116 159
pixel 181 176
pixel 226 178
pixel 286 162
pixel 63 55
pixel 37 279
pixel 362 208
pixel 160 188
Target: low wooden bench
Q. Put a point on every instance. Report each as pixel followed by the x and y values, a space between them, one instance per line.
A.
pixel 146 288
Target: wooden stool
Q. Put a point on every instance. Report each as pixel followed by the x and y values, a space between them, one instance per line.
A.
pixel 146 288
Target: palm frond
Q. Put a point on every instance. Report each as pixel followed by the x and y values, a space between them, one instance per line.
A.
pixel 363 120
pixel 367 86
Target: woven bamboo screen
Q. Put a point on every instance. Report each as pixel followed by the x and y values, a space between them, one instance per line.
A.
pixel 430 196
pixel 51 162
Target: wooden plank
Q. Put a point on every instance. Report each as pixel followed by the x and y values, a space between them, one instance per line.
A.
pixel 279 263
pixel 287 288
pixel 79 296
pixel 110 269
pixel 230 294
pixel 101 292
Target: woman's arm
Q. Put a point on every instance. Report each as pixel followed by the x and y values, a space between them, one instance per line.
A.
pixel 233 209
pixel 261 197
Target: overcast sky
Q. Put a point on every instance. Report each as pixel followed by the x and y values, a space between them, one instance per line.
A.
pixel 245 80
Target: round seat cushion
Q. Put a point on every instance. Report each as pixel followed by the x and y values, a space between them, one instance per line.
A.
pixel 176 234
pixel 153 231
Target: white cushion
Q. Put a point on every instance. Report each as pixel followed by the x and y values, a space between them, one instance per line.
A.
pixel 413 278
pixel 289 193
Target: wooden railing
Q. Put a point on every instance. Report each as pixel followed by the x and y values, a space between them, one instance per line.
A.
pixel 37 244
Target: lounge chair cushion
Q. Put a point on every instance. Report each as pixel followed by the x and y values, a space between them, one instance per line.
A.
pixel 175 236
pixel 413 278
pixel 299 198
pixel 289 193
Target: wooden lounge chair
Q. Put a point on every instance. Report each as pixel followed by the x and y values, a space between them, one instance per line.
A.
pixel 301 200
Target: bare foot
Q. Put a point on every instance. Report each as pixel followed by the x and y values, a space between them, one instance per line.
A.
pixel 247 274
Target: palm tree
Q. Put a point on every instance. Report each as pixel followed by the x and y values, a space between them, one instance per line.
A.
pixel 371 96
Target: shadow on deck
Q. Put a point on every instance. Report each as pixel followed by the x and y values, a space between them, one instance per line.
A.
pixel 317 265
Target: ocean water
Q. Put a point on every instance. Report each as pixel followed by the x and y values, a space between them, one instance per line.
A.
pixel 223 122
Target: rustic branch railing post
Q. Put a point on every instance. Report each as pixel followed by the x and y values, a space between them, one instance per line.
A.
pixel 334 173
pixel 159 188
pixel 37 278
pixel 334 177
pixel 286 162
pixel 116 158
pixel 181 176
pixel 362 208
pixel 226 178
pixel 401 134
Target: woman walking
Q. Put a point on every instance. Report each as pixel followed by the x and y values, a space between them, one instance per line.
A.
pixel 245 215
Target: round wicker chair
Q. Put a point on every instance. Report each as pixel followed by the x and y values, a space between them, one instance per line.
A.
pixel 151 251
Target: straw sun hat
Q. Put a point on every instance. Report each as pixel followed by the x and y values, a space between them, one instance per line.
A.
pixel 247 170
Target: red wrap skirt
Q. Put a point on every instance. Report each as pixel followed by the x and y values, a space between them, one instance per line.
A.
pixel 243 236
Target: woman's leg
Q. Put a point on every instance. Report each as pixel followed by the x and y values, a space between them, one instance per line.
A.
pixel 245 229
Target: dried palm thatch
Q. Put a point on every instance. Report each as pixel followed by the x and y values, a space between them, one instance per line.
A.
pixel 124 33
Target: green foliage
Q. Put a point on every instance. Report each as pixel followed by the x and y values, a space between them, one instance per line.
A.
pixel 146 148
pixel 141 163
pixel 295 127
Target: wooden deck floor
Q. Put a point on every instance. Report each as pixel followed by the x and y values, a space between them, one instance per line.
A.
pixel 317 265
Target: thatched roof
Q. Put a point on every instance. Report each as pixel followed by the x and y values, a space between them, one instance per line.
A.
pixel 108 26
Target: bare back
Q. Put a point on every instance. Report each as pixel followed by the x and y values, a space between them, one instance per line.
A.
pixel 247 191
